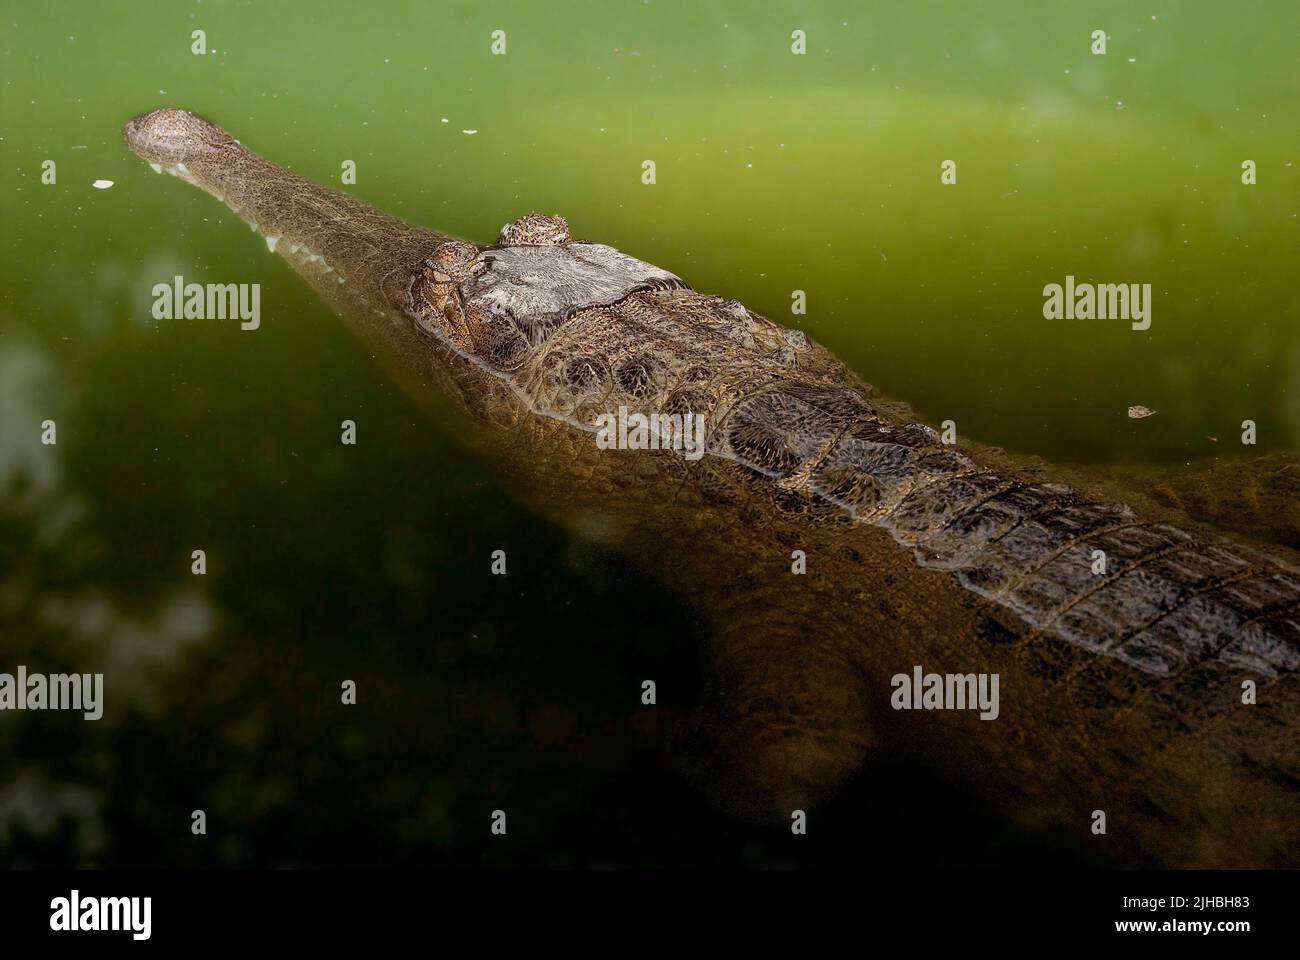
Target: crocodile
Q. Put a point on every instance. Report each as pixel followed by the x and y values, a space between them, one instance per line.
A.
pixel 1147 662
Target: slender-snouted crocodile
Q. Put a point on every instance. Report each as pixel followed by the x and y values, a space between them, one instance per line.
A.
pixel 1122 682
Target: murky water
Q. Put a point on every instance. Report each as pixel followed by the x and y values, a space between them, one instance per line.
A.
pixel 774 173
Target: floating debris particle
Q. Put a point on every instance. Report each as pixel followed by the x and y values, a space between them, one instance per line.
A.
pixel 470 132
pixel 102 184
pixel 1138 412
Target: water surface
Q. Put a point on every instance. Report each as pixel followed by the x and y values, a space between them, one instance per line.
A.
pixel 775 173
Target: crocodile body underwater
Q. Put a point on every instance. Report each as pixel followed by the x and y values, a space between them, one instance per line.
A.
pixel 1147 663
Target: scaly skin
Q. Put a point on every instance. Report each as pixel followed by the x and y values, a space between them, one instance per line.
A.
pixel 1121 690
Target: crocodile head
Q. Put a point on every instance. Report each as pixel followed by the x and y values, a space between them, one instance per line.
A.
pixel 501 304
pixel 536 321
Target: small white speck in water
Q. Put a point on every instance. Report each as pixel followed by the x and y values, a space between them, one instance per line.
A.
pixel 470 132
pixel 102 184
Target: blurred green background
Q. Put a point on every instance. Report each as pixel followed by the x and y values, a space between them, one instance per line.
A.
pixel 775 172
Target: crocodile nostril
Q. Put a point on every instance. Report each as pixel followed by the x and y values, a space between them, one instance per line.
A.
pixel 170 136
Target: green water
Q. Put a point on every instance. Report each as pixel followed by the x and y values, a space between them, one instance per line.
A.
pixel 774 173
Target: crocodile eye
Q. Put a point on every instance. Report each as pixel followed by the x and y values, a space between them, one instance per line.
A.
pixel 453 260
pixel 535 229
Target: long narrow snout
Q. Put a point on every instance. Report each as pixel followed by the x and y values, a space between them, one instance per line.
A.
pixel 354 254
